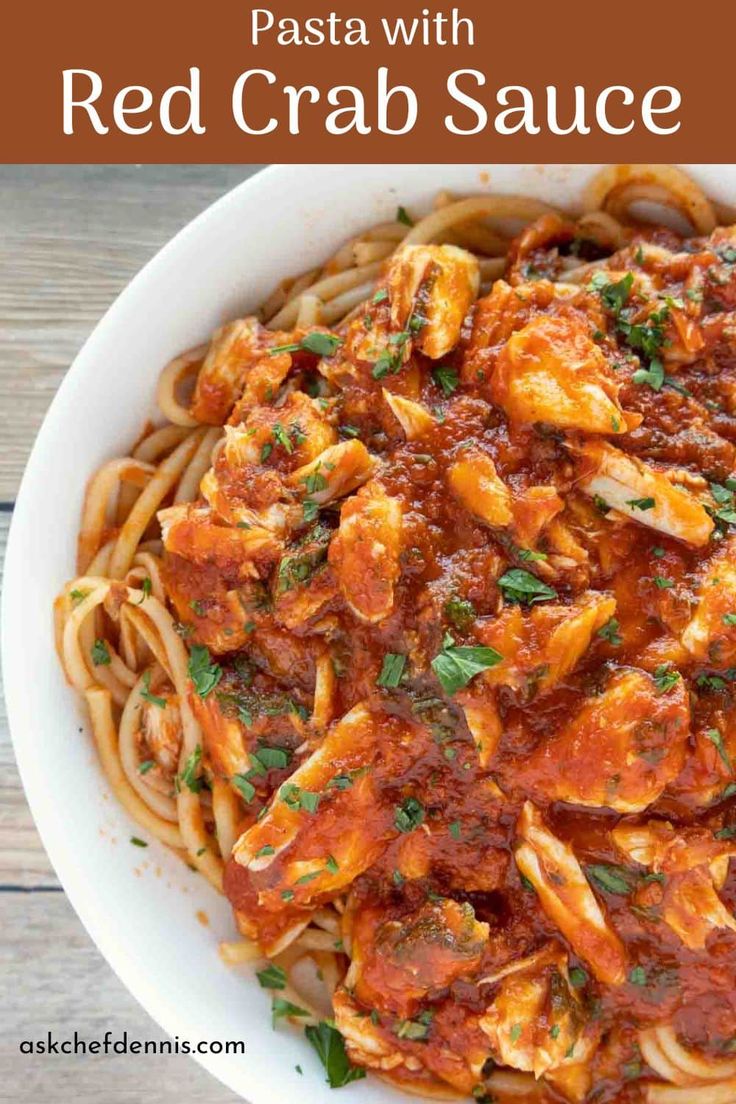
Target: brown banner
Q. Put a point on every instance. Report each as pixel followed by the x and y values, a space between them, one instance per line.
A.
pixel 486 81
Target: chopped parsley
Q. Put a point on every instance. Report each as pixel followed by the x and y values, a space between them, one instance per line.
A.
pixel 723 493
pixel 614 296
pixel 409 814
pixel 665 677
pixel 638 976
pixel 299 566
pixel 146 766
pixel 389 362
pixel 315 481
pixel 716 739
pixel 245 788
pixel 416 1029
pixel 456 665
pixel 100 654
pixel 653 376
pixel 521 586
pixel 146 694
pixel 273 757
pixel 612 879
pixel 297 798
pixel 281 1008
pixel 460 612
pixel 528 555
pixel 662 583
pixel 321 344
pixel 610 632
pixel 330 1047
pixel 729 619
pixel 137 842
pixel 310 509
pixel 204 674
pixel 578 977
pixel 391 670
pixel 146 588
pixel 281 436
pixel 308 877
pixel 190 775
pixel 272 977
pixel 345 781
pixel 446 378
pixel 403 216
pixel 641 503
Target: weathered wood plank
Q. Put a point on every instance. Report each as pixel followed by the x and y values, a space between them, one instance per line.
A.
pixel 55 980
pixel 71 237
pixel 23 861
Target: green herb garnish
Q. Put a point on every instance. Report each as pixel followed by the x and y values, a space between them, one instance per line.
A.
pixel 391 670
pixel 321 344
pixel 521 586
pixel 330 1046
pixel 204 674
pixel 456 665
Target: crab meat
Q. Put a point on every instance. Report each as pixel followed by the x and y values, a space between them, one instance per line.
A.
pixel 533 510
pixel 243 713
pixel 695 865
pixel 415 419
pixel 542 646
pixel 245 486
pixel 693 909
pixel 365 1042
pixel 365 552
pixel 535 1020
pixel 452 1053
pixel 627 744
pixel 262 384
pixel 317 836
pixel 396 963
pixel 626 484
pixel 476 484
pixel 304 584
pixel 711 634
pixel 336 472
pixel 293 433
pixel 436 284
pixel 234 350
pixel 551 371
pixel 483 720
pixel 160 727
pixel 192 532
pixel 566 897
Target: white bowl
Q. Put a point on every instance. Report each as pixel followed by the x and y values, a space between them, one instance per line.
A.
pixel 140 906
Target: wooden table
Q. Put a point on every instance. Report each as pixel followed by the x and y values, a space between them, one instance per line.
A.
pixel 70 238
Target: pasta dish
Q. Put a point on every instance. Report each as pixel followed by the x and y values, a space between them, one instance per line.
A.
pixel 412 628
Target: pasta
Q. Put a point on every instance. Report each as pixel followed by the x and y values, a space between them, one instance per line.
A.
pixel 413 630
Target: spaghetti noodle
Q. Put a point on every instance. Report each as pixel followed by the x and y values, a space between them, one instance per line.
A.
pixel 413 630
